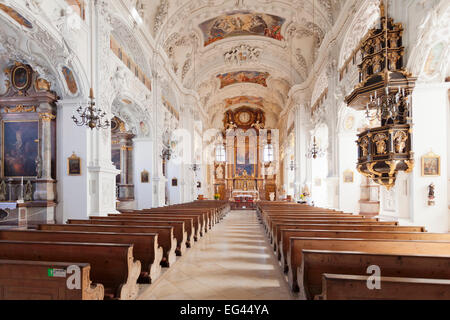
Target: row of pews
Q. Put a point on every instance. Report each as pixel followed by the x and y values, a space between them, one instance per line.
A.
pixel 331 255
pixel 114 254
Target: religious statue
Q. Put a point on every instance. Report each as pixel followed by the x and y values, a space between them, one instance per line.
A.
pixel 38 167
pixel 365 147
pixel 231 125
pixel 3 191
pixel 272 196
pixel 380 142
pixel 259 122
pixel 400 138
pixel 431 194
pixel 28 193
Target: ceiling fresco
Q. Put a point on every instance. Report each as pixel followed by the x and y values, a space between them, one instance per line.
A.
pixel 230 78
pixel 238 23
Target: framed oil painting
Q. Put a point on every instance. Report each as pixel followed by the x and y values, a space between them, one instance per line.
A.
pixel 145 176
pixel 245 170
pixel 431 165
pixel 74 165
pixel 20 148
pixel 348 176
pixel 21 77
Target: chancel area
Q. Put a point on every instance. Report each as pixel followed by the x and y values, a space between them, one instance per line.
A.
pixel 224 149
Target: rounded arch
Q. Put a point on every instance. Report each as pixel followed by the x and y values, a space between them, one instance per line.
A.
pixel 135 116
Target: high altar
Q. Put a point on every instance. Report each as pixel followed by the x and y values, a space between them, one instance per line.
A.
pixel 244 176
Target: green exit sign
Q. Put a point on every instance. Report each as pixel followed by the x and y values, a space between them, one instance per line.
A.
pixel 56 273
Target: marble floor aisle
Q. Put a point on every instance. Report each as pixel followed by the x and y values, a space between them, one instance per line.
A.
pixel 233 261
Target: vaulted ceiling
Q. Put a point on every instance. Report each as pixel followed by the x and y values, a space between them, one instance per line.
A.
pixel 240 52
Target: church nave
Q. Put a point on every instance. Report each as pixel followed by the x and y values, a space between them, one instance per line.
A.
pixel 233 261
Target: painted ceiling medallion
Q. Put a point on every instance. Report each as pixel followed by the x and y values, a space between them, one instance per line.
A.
pixel 241 23
pixel 256 77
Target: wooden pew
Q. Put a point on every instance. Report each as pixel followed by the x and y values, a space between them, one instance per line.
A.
pixel 112 265
pixel 297 244
pixel 165 236
pixel 203 216
pixel 360 234
pixel 269 219
pixel 188 223
pixel 30 280
pixel 267 216
pixel 212 213
pixel 200 220
pixel 145 249
pixel 351 287
pixel 317 262
pixel 178 228
pixel 286 232
pixel 274 223
pixel 343 222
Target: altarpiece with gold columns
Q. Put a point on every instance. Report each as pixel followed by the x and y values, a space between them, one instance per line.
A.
pixel 245 176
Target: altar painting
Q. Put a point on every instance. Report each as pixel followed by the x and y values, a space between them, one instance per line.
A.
pixel 20 148
pixel 245 170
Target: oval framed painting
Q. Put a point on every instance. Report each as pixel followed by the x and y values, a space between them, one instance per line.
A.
pixel 21 77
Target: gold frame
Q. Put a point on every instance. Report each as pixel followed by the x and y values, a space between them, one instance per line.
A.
pixel 431 155
pixel 73 157
pixel 3 146
pixel 13 76
pixel 142 176
pixel 346 172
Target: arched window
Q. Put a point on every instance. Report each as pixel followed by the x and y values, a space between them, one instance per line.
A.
pixel 268 153
pixel 220 153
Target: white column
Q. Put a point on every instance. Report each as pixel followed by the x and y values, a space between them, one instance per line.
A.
pixel 143 151
pixel 72 191
pixel 349 193
pixel 430 132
